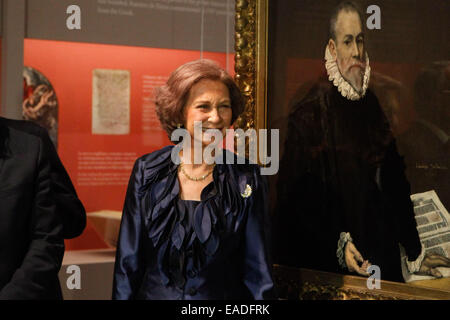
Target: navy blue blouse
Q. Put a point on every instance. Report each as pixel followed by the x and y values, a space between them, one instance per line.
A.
pixel 216 248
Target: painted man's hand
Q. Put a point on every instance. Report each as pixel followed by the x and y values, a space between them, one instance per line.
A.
pixel 353 258
pixel 430 264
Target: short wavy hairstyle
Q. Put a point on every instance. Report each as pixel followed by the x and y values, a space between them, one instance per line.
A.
pixel 171 98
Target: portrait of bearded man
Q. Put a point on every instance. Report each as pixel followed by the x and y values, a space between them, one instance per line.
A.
pixel 343 200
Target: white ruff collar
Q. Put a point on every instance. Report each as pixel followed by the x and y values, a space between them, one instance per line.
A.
pixel 342 85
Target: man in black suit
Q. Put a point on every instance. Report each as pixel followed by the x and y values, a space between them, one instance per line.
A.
pixel 38 209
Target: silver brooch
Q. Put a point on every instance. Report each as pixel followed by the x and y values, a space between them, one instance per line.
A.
pixel 247 192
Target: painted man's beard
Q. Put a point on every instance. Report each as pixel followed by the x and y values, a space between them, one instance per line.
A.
pixel 343 85
pixel 353 74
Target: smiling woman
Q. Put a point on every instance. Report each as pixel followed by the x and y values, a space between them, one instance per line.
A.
pixel 194 231
pixel 172 98
pixel 209 102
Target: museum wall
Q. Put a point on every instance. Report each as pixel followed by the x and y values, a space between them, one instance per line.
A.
pixel 97 75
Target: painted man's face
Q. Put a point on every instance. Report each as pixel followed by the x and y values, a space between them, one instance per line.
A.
pixel 349 48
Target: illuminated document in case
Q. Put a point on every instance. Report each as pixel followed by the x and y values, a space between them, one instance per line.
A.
pixel 110 102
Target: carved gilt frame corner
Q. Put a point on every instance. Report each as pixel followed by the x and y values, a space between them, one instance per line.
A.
pixel 251 61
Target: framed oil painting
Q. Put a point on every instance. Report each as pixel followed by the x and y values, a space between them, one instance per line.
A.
pixel 360 94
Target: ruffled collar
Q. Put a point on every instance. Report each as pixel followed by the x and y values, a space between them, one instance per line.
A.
pixel 345 88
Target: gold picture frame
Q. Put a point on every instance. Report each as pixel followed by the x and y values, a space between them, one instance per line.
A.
pixel 251 61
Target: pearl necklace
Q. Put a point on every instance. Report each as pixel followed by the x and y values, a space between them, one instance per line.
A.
pixel 203 177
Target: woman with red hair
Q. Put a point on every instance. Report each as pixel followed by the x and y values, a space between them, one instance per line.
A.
pixel 194 230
